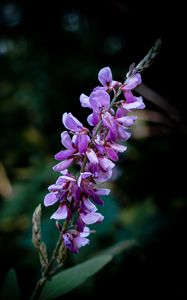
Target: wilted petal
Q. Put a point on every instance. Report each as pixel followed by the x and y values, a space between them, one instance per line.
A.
pixel 63 165
pixel 61 213
pixel 92 156
pixel 71 123
pixel 50 199
pixel 84 100
pixel 66 140
pixel 132 82
pixel 105 76
pixel 106 164
pixel 64 154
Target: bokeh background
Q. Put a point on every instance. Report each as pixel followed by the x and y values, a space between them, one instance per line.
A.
pixel 49 54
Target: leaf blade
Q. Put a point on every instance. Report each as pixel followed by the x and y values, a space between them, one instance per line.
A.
pixel 10 289
pixel 67 280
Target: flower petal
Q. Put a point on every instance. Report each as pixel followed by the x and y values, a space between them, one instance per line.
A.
pixel 68 242
pixel 66 140
pixel 105 76
pixel 92 156
pixel 71 123
pixel 106 164
pixel 64 154
pixel 84 100
pixel 89 205
pixel 61 213
pixel 82 142
pixel 99 100
pixel 132 82
pixel 118 147
pixel 86 232
pixel 111 154
pixel 50 199
pixel 123 134
pixel 102 192
pixel 127 120
pixel 63 165
pixel 80 241
pixel 91 218
pixel 132 102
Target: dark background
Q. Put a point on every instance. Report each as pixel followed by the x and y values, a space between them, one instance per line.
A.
pixel 49 54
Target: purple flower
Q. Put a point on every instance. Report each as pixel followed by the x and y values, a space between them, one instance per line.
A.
pixel 132 82
pixel 105 78
pixel 74 239
pixel 94 153
pixel 132 102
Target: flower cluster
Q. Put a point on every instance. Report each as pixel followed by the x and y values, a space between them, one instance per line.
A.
pixel 94 152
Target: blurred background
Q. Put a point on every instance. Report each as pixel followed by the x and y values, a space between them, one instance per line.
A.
pixel 50 53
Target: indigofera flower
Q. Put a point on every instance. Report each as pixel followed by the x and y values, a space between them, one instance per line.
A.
pixel 95 152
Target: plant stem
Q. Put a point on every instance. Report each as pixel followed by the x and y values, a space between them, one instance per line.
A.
pixel 41 282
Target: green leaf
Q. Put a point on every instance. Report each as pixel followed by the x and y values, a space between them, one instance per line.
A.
pixel 10 289
pixel 120 247
pixel 67 280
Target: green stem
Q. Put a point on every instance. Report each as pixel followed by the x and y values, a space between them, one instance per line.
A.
pixel 41 282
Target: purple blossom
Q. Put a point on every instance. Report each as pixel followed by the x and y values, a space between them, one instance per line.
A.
pixel 94 152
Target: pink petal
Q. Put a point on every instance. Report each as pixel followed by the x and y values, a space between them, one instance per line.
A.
pixel 66 140
pixel 127 121
pixel 84 100
pixel 89 205
pixel 82 142
pixel 63 165
pixel 86 232
pixel 106 164
pixel 67 178
pixel 101 192
pixel 61 213
pixel 104 176
pixel 123 134
pixel 99 100
pixel 133 102
pixel 80 241
pixel 132 82
pixel 64 154
pixel 111 154
pixel 71 123
pixel 83 176
pixel 121 112
pixel 105 76
pixel 118 147
pixel 108 121
pixel 92 156
pixel 90 120
pixel 91 218
pixel 50 199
